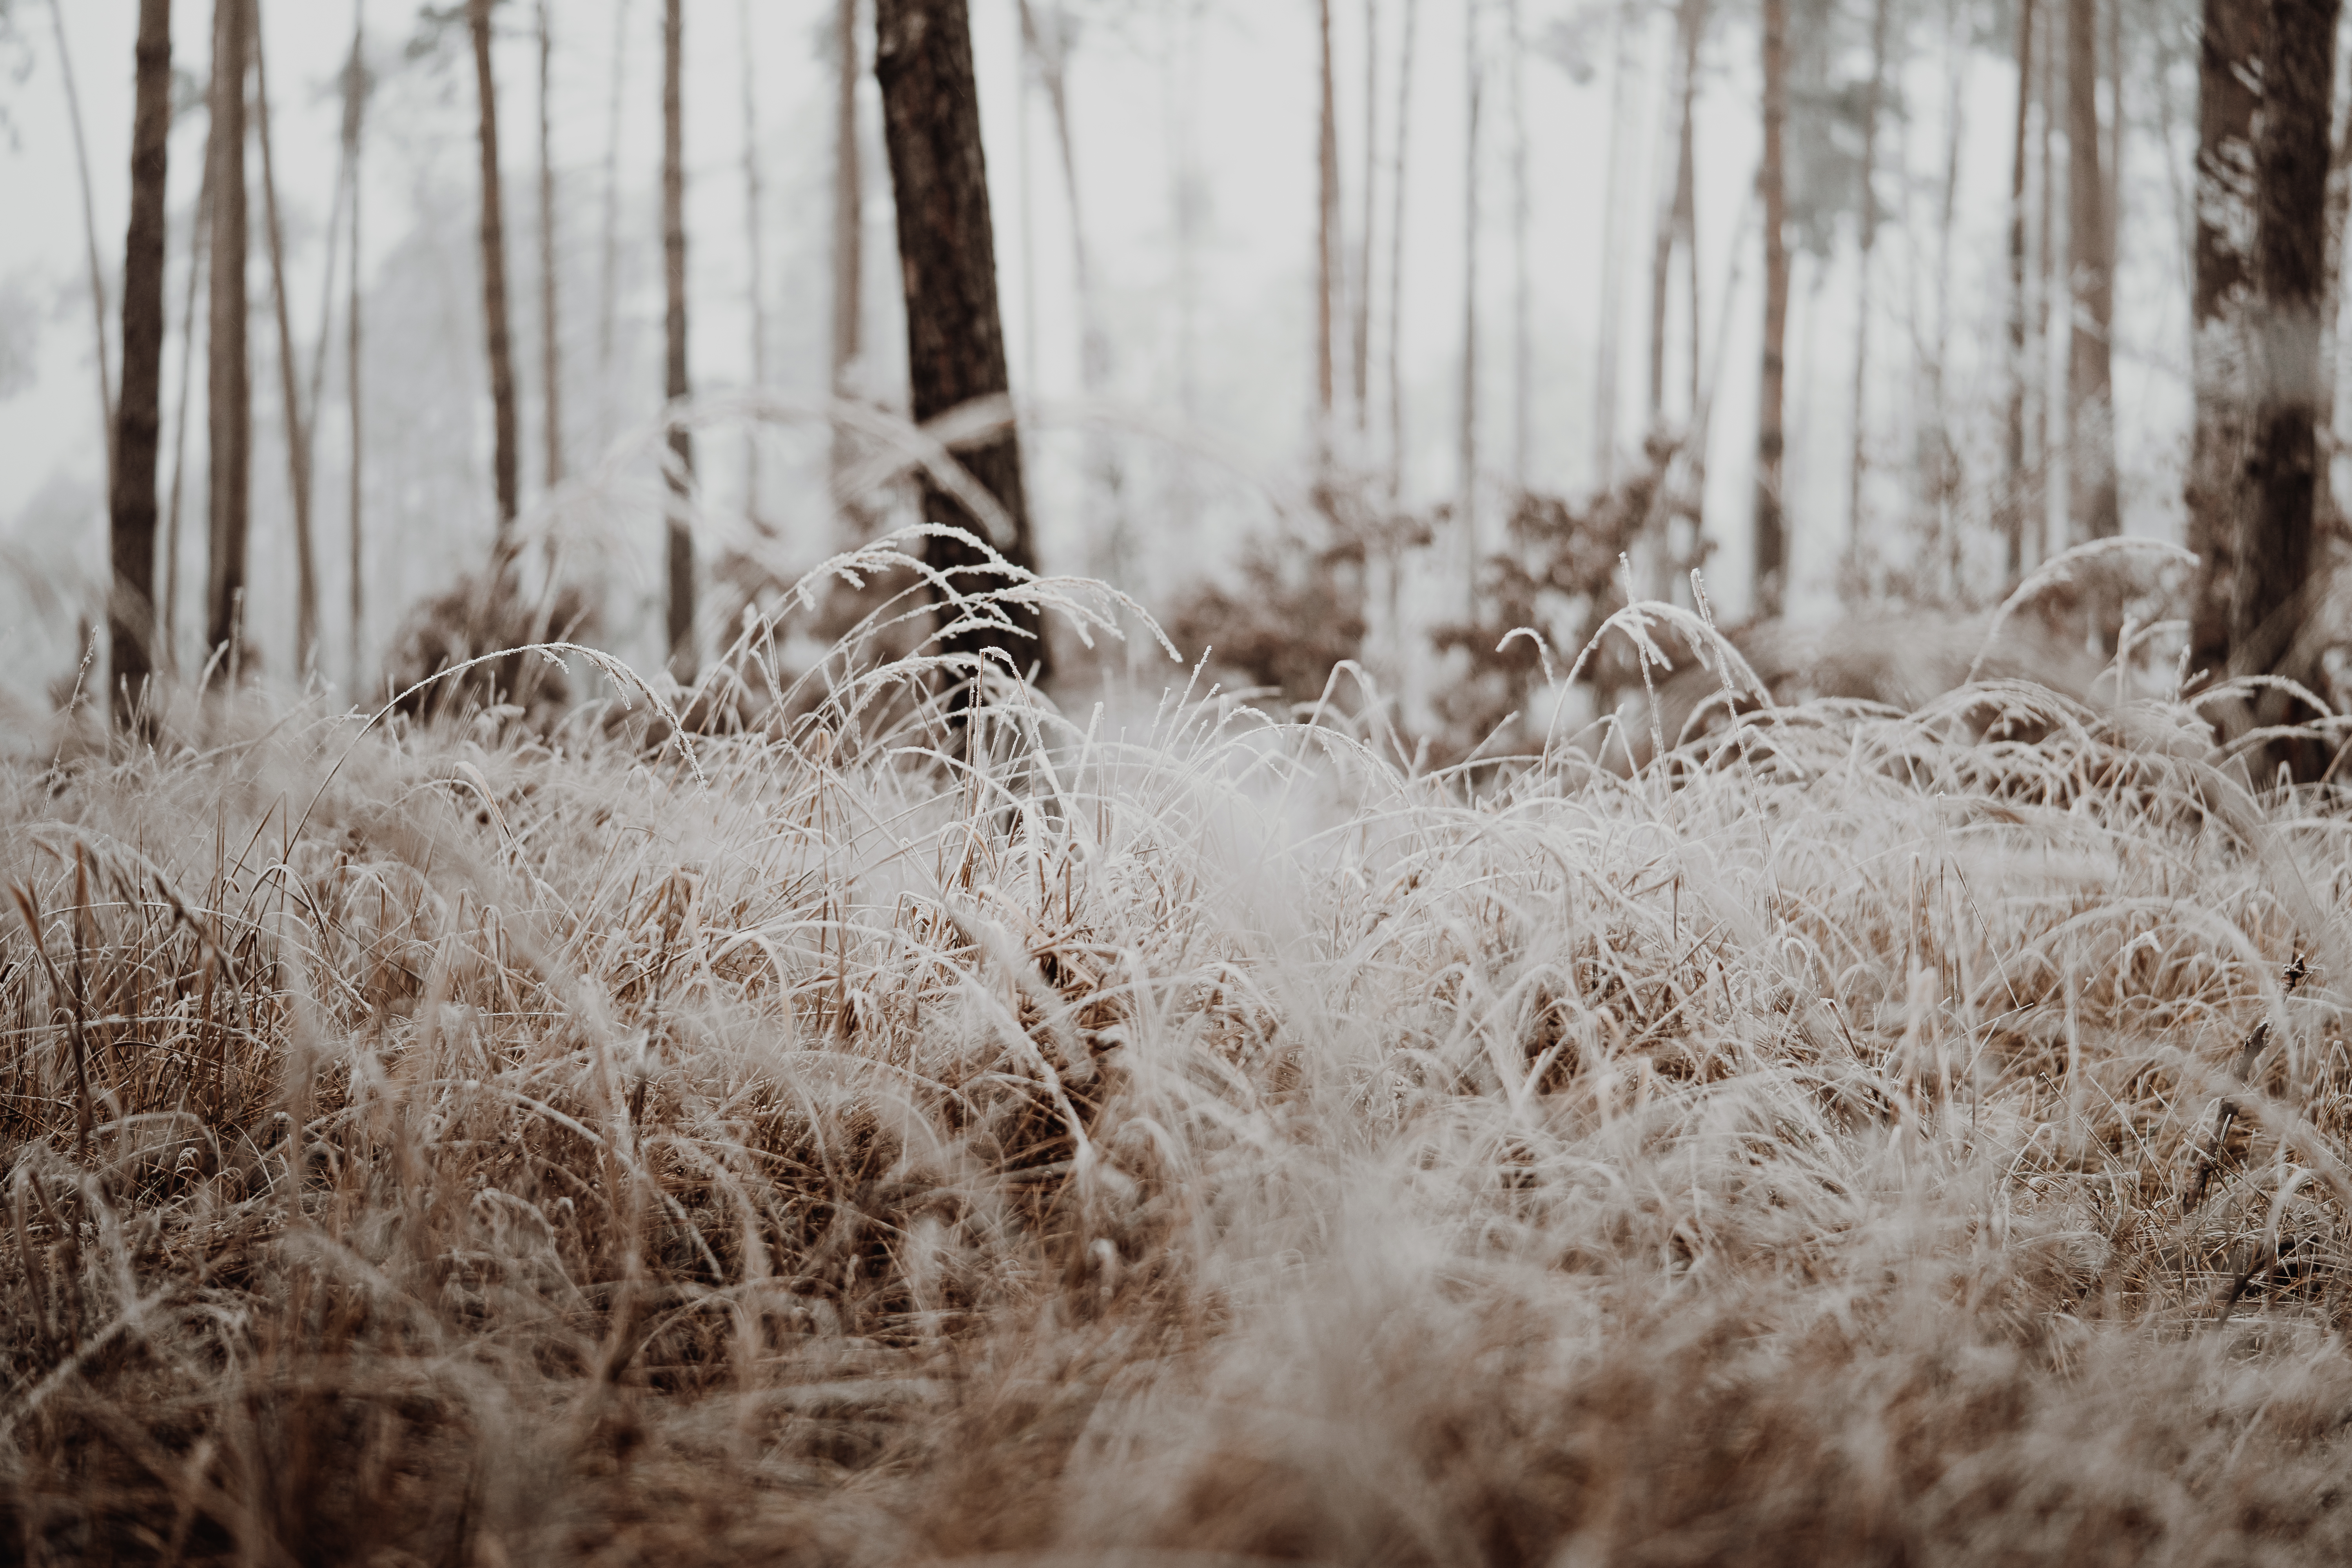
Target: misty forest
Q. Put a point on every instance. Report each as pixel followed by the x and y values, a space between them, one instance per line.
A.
pixel 1175 782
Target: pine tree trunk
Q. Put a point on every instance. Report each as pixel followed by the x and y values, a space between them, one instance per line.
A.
pixel 2272 597
pixel 1688 19
pixel 1467 501
pixel 2222 272
pixel 2013 520
pixel 675 385
pixel 130 619
pixel 504 466
pixel 1858 468
pixel 90 232
pixel 229 389
pixel 297 441
pixel 1326 216
pixel 166 649
pixel 354 106
pixel 848 243
pixel 1772 531
pixel 550 323
pixel 955 334
pixel 2090 398
pixel 1396 256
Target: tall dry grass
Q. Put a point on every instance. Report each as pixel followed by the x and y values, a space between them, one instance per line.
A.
pixel 1172 1137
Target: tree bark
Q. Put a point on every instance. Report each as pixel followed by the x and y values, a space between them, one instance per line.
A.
pixel 1772 531
pixel 2013 520
pixel 675 385
pixel 355 87
pixel 1396 255
pixel 2090 398
pixel 290 380
pixel 1679 219
pixel 504 467
pixel 2229 53
pixel 131 618
pixel 1467 503
pixel 1327 218
pixel 551 322
pixel 1858 467
pixel 608 293
pixel 229 388
pixel 848 247
pixel 955 335
pixel 166 649
pixel 2272 597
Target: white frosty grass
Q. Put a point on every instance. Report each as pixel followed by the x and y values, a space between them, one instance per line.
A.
pixel 1188 1134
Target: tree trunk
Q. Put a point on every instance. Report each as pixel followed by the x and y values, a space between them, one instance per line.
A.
pixel 504 466
pixel 1396 255
pixel 1523 365
pixel 354 105
pixel 1361 298
pixel 2013 521
pixel 1327 219
pixel 1858 467
pixel 551 322
pixel 2228 54
pixel 228 401
pixel 608 292
pixel 1772 531
pixel 955 335
pixel 1605 350
pixel 675 385
pixel 2091 415
pixel 848 244
pixel 289 380
pixel 90 232
pixel 1679 217
pixel 755 236
pixel 1467 503
pixel 166 649
pixel 2272 597
pixel 130 619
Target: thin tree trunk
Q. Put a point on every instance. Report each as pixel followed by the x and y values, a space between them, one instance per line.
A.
pixel 89 233
pixel 608 289
pixel 354 105
pixel 1605 350
pixel 504 467
pixel 1771 533
pixel 2230 51
pixel 955 333
pixel 1522 286
pixel 1396 257
pixel 2013 523
pixel 551 320
pixel 1857 469
pixel 2049 415
pixel 1688 16
pixel 756 239
pixel 1362 297
pixel 2272 594
pixel 130 619
pixel 1326 211
pixel 2090 398
pixel 675 385
pixel 848 241
pixel 229 389
pixel 199 240
pixel 1467 504
pixel 289 380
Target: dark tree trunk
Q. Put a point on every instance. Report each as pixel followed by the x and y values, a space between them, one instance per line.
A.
pixel 167 643
pixel 298 438
pixel 2090 395
pixel 1771 529
pixel 229 386
pixel 130 619
pixel 504 466
pixel 2227 99
pixel 675 385
pixel 947 252
pixel 848 243
pixel 2013 505
pixel 551 339
pixel 2272 597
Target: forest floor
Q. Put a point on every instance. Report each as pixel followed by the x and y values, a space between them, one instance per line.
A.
pixel 1205 1140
